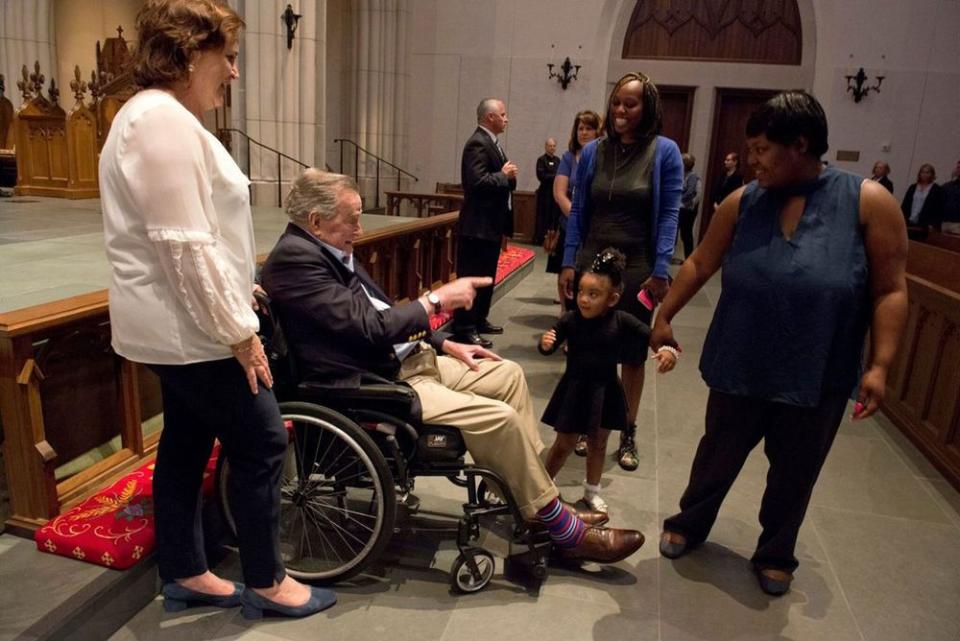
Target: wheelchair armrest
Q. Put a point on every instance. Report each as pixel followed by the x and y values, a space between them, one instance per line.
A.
pixel 393 399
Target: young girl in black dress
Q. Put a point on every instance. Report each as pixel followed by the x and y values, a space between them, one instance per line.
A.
pixel 589 398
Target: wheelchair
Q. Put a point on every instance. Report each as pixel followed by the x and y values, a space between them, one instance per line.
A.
pixel 353 454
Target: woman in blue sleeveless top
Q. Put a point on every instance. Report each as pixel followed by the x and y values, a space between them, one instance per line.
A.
pixel 812 257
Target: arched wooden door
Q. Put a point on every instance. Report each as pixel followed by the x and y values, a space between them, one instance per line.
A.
pixel 677 110
pixel 731 111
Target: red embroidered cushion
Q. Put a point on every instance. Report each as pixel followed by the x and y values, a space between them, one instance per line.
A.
pixel 114 527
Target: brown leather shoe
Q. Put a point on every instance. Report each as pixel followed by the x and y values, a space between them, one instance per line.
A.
pixel 603 545
pixel 588 516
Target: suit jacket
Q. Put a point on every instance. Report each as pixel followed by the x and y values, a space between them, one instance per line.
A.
pixel 726 186
pixel 547 166
pixel 886 182
pixel 334 331
pixel 485 212
pixel 932 211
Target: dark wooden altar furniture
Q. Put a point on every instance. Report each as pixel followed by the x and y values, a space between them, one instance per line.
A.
pixel 56 152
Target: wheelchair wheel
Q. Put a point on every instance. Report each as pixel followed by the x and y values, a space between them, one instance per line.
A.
pixel 337 496
pixel 466 579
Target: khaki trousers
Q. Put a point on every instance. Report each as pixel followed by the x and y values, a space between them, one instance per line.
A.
pixel 492 408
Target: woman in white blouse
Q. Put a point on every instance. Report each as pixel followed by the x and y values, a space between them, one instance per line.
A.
pixel 179 238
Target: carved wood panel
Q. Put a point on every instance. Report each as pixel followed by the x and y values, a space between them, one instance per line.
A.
pixel 756 31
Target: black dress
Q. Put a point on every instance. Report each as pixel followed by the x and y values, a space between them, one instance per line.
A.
pixel 590 395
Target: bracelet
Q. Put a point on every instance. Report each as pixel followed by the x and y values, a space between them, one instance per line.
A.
pixel 672 350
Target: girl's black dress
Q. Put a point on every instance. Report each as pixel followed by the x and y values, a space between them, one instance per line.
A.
pixel 590 395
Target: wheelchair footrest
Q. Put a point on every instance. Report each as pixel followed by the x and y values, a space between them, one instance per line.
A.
pixel 528 567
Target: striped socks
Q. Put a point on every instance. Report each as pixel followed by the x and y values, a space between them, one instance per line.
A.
pixel 566 530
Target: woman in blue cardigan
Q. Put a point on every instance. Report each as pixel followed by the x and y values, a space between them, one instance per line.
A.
pixel 628 197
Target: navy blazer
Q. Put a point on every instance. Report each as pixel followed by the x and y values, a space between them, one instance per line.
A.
pixel 332 328
pixel 485 212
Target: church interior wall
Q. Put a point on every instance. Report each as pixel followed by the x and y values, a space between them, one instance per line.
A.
pixel 403 77
pixel 464 51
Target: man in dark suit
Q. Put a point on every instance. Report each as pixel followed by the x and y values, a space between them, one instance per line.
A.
pixel 486 218
pixel 339 326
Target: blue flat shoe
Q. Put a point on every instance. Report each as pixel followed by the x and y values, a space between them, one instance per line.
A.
pixel 774 582
pixel 177 598
pixel 673 545
pixel 255 606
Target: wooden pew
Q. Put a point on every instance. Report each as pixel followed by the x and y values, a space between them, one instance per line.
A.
pixel 63 391
pixel 923 388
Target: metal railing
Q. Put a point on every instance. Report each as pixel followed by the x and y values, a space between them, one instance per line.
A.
pixel 280 157
pixel 368 155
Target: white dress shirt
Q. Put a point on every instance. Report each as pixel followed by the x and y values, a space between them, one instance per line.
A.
pixel 178 233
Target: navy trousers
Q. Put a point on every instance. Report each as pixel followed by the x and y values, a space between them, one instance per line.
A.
pixel 201 402
pixel 476 257
pixel 796 441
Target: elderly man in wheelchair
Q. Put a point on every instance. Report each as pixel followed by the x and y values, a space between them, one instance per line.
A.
pixel 405 402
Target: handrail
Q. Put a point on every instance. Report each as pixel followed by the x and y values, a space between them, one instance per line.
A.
pixel 279 153
pixel 356 167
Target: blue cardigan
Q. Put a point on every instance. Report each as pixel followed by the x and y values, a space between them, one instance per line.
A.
pixel 667 187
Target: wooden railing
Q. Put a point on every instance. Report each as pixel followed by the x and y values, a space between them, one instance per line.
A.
pixel 524 210
pixel 923 388
pixel 425 205
pixel 64 392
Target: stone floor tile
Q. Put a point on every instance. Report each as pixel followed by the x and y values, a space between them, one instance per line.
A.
pixel 713 594
pixel 900 577
pixel 493 616
pixel 867 476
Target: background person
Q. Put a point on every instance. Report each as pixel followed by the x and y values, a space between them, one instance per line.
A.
pixel 179 239
pixel 586 127
pixel 486 217
pixel 689 201
pixel 547 212
pixel 628 198
pixel 881 174
pixel 951 203
pixel 731 180
pixel 922 205
pixel 812 256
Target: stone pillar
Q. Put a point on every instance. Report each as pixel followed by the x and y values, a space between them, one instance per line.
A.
pixel 279 97
pixel 373 58
pixel 26 35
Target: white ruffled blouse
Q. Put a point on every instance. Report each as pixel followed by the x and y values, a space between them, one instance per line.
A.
pixel 178 233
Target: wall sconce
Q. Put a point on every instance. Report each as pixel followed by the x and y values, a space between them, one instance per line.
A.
pixel 855 85
pixel 565 77
pixel 291 19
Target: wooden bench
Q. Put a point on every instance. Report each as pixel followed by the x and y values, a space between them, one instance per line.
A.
pixel 923 388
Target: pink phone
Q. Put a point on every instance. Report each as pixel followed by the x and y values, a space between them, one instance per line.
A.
pixel 857 409
pixel 645 299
